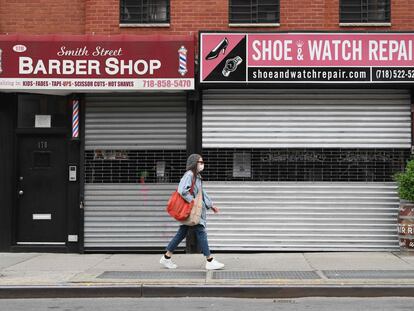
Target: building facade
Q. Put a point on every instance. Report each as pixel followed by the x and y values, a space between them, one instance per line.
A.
pixel 130 88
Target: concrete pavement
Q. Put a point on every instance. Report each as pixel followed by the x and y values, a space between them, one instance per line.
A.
pixel 245 275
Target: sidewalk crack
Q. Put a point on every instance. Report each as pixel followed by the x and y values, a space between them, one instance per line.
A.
pixel 99 262
pixel 308 262
pixel 402 259
pixel 90 268
pixel 318 272
pixel 18 263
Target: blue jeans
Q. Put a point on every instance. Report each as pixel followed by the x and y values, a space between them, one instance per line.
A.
pixel 201 235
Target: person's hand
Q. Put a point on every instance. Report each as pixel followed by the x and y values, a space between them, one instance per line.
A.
pixel 215 209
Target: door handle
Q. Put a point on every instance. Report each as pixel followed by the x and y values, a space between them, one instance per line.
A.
pixel 21 192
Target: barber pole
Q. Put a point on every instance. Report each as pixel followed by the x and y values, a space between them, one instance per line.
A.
pixel 75 119
pixel 1 70
pixel 182 57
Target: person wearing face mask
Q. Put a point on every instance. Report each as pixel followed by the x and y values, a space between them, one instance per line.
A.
pixel 195 165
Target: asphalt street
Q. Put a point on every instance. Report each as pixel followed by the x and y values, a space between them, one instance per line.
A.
pixel 222 304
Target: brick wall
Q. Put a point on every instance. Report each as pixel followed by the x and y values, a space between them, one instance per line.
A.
pixel 42 16
pixel 187 16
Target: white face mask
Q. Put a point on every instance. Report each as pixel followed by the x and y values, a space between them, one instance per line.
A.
pixel 200 167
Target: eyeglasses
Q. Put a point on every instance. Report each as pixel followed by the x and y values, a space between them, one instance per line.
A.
pixel 202 162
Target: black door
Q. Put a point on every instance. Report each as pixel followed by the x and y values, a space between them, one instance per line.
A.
pixel 41 190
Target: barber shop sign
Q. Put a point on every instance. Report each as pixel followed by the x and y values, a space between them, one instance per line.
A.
pixel 91 63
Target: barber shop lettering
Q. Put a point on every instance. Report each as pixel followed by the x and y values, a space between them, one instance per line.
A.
pixel 110 66
pixel 83 51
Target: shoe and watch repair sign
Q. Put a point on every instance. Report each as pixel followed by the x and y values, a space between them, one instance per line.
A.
pixel 306 57
pixel 96 63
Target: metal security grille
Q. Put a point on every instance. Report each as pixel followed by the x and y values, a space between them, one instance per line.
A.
pixel 369 274
pixel 365 11
pixel 377 165
pixel 254 11
pixel 303 216
pixel 135 155
pixel 144 11
pixel 153 275
pixel 306 119
pixel 251 275
pixel 133 166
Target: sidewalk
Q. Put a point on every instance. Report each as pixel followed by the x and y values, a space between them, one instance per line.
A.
pixel 245 275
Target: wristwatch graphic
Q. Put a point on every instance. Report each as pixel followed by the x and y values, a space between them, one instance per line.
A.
pixel 231 65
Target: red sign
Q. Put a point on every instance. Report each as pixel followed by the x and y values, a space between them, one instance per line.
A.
pixel 306 57
pixel 105 63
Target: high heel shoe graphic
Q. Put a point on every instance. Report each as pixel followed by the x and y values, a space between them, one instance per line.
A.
pixel 223 44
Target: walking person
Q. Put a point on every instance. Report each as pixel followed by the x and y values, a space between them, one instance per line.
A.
pixel 194 167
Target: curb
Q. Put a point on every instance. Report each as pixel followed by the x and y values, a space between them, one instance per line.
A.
pixel 260 291
pixel 18 292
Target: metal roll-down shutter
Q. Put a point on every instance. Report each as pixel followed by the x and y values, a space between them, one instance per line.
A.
pixel 306 119
pixel 260 214
pixel 304 216
pixel 140 122
pixel 120 211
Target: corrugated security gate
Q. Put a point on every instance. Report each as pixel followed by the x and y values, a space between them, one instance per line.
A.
pixel 304 170
pixel 135 156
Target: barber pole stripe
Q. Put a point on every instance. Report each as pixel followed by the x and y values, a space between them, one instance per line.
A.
pixel 1 52
pixel 182 57
pixel 75 120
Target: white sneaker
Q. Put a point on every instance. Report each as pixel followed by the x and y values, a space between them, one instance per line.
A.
pixel 167 263
pixel 214 265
